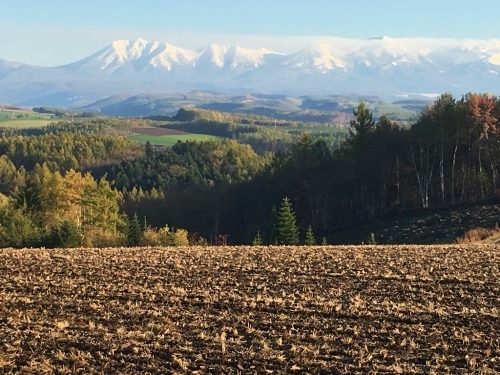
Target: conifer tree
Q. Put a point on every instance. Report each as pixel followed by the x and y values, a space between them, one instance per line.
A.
pixel 149 150
pixel 257 241
pixel 310 240
pixel 134 233
pixel 288 232
pixel 65 235
pixel 362 124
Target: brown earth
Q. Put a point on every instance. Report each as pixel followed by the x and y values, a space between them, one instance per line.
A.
pixel 150 130
pixel 423 226
pixel 251 310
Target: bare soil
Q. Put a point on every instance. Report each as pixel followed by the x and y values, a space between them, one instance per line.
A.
pixel 423 226
pixel 251 310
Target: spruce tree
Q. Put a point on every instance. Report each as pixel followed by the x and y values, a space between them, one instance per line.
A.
pixel 149 150
pixel 257 241
pixel 134 232
pixel 65 235
pixel 288 232
pixel 362 124
pixel 309 240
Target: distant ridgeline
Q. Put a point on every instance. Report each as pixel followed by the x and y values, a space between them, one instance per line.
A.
pixel 58 112
pixel 324 109
pixel 188 114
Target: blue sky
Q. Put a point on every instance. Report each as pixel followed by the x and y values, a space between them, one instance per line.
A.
pixel 52 32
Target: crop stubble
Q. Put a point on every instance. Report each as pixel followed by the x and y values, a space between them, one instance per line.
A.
pixel 391 309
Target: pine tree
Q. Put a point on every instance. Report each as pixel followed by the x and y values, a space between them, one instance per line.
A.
pixel 257 241
pixel 310 240
pixel 149 150
pixel 362 124
pixel 272 228
pixel 134 233
pixel 65 235
pixel 323 242
pixel 288 232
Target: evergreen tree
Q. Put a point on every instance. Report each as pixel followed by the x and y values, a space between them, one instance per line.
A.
pixel 149 150
pixel 65 235
pixel 272 228
pixel 323 241
pixel 310 240
pixel 361 126
pixel 134 232
pixel 257 241
pixel 288 232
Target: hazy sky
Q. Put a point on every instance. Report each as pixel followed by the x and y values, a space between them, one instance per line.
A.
pixel 53 32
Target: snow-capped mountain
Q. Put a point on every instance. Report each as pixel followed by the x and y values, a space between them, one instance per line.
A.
pixel 382 66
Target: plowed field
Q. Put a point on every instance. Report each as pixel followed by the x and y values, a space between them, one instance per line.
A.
pixel 250 310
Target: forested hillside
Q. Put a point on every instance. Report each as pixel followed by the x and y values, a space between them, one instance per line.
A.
pixel 83 181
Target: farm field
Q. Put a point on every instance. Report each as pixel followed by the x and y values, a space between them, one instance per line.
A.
pixel 238 310
pixel 28 119
pixel 169 140
pixel 6 115
pixel 24 123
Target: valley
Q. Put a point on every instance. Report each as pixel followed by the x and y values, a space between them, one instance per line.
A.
pixel 249 187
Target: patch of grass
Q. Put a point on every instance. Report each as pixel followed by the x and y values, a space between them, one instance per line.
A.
pixel 480 235
pixel 24 123
pixel 170 140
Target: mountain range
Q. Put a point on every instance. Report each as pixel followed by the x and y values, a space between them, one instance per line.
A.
pixel 378 66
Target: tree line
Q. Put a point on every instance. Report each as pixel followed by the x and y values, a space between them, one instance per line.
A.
pixel 449 155
pixel 223 190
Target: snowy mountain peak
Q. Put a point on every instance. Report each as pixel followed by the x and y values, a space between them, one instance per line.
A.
pixel 320 56
pixel 233 57
pixel 244 57
pixel 379 65
pixel 168 56
pixel 213 54
pixel 129 49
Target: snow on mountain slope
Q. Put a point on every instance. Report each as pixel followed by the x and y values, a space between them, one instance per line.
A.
pixel 378 66
pixel 136 56
pixel 319 56
pixel 385 52
pixel 213 55
pixel 237 57
pixel 231 58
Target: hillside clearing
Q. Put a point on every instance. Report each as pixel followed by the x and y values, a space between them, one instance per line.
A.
pixel 170 140
pixel 335 310
pixel 24 124
pixel 155 131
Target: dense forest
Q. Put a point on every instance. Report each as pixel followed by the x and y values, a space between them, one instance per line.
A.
pixel 84 182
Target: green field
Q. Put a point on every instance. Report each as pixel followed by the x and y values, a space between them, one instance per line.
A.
pixel 9 119
pixel 170 140
pixel 13 115
pixel 24 123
